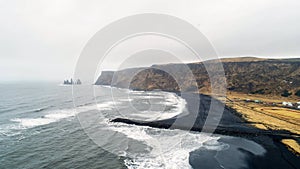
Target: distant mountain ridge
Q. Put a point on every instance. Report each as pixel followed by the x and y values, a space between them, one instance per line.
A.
pixel 244 74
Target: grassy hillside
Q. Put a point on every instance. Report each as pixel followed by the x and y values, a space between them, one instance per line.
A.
pixel 244 75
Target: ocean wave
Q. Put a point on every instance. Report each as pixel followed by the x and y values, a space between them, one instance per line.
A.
pixel 172 106
pixel 25 123
pixel 57 115
pixel 168 148
pixel 108 105
pixel 125 99
pixel 40 109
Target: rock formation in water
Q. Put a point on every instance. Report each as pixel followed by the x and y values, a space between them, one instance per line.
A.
pixel 71 82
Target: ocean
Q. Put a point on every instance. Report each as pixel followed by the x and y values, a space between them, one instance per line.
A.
pixel 46 125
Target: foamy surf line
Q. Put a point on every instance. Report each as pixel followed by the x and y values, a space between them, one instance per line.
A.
pixel 57 115
pixel 169 149
pixel 151 160
pixel 172 148
pixel 176 103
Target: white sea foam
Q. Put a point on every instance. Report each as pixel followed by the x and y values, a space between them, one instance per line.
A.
pixel 109 105
pixel 168 149
pixel 9 130
pixel 47 119
pixel 169 99
pixel 164 150
pixel 57 115
pixel 176 101
pixel 125 99
pixel 178 106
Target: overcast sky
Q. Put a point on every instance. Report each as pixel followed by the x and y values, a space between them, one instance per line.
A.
pixel 42 40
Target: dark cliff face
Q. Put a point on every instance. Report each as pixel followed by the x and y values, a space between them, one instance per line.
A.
pixel 151 79
pixel 257 77
pixel 265 77
pixel 105 78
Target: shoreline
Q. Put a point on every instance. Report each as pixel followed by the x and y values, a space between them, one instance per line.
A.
pixel 233 124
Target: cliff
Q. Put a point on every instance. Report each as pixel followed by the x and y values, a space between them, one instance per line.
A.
pixel 245 75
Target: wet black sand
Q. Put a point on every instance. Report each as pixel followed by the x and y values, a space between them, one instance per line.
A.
pixel 229 123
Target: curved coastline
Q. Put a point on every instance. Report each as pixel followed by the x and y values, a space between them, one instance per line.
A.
pixel 231 124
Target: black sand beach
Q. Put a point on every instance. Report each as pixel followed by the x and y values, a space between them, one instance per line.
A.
pixel 242 151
